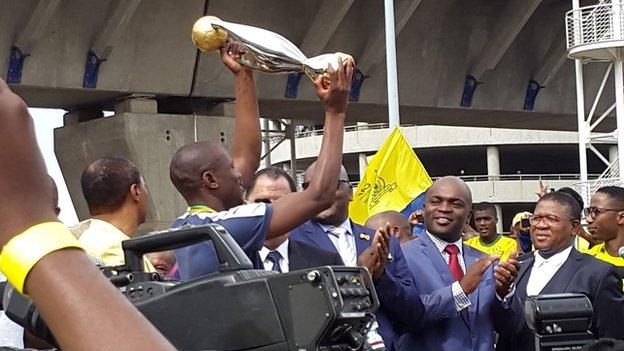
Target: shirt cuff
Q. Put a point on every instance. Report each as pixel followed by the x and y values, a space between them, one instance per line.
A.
pixel 461 300
pixel 505 300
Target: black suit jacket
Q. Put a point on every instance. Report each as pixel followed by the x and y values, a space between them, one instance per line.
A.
pixel 302 256
pixel 580 273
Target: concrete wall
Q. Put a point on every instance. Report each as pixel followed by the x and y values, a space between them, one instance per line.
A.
pixel 512 191
pixel 428 137
pixel 440 43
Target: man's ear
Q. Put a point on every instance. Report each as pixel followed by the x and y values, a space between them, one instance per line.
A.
pixel 209 180
pixel 396 231
pixel 135 191
pixel 620 218
pixel 576 226
pixel 469 217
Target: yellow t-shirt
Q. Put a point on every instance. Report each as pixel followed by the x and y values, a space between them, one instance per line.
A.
pixel 103 240
pixel 581 244
pixel 600 253
pixel 502 246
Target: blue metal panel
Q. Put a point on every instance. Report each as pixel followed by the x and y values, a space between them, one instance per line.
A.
pixel 16 64
pixel 531 94
pixel 292 85
pixel 470 85
pixel 358 81
pixel 92 69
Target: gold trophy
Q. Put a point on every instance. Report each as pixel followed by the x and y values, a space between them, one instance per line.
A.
pixel 266 51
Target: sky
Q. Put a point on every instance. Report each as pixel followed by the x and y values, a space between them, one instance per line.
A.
pixel 45 122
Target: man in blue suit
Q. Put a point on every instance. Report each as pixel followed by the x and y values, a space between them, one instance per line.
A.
pixel 466 295
pixel 332 230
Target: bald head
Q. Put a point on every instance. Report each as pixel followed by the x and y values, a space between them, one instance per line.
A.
pixel 459 187
pixel 399 224
pixel 447 208
pixel 204 174
pixel 381 218
pixel 190 161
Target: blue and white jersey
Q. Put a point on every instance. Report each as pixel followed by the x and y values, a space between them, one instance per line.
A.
pixel 247 224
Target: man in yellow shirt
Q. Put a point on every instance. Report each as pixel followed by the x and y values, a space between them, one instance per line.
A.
pixel 489 241
pixel 117 198
pixel 605 221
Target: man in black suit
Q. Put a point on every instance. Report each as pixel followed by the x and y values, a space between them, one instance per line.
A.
pixel 280 254
pixel 378 251
pixel 557 267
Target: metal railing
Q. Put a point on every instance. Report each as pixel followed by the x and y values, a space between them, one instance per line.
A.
pixel 352 128
pixel 517 177
pixel 595 24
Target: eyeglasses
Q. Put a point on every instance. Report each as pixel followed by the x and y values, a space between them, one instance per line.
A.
pixel 548 219
pixel 305 185
pixel 595 211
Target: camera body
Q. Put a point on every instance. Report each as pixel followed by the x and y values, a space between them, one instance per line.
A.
pixel 239 308
pixel 559 321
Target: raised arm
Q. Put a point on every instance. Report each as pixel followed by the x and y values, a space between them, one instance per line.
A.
pixel 294 209
pixel 246 142
pixel 66 287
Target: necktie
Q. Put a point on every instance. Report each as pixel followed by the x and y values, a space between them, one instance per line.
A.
pixel 345 248
pixel 275 257
pixel 453 264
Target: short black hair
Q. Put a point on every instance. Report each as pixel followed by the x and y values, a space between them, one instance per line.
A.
pixel 572 205
pixel 484 206
pixel 274 173
pixel 106 182
pixel 575 195
pixel 614 192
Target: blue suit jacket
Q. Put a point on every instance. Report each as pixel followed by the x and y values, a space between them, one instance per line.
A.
pixel 394 288
pixel 442 327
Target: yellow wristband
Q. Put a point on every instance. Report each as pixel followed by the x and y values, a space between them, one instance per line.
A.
pixel 24 250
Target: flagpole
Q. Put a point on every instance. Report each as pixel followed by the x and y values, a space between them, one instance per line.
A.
pixel 391 66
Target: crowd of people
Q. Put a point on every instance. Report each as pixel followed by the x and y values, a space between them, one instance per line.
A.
pixel 444 287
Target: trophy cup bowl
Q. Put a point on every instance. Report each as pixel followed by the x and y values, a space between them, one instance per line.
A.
pixel 266 51
pixel 206 37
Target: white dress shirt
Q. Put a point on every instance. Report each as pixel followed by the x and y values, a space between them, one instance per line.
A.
pixel 544 269
pixel 283 262
pixel 349 256
pixel 461 300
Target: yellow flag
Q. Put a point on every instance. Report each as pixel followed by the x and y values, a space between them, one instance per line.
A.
pixel 393 178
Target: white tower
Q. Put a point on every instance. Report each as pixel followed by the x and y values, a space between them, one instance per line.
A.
pixel 596 34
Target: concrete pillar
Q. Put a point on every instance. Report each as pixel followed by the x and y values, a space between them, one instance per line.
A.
pixel 499 214
pixel 290 134
pixel 362 164
pixel 493 161
pixel 613 153
pixel 266 143
pixel 149 140
pixel 136 103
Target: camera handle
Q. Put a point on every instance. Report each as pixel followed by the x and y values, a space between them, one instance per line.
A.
pixel 230 255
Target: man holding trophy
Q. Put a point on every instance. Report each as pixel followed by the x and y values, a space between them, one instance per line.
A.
pixel 251 224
